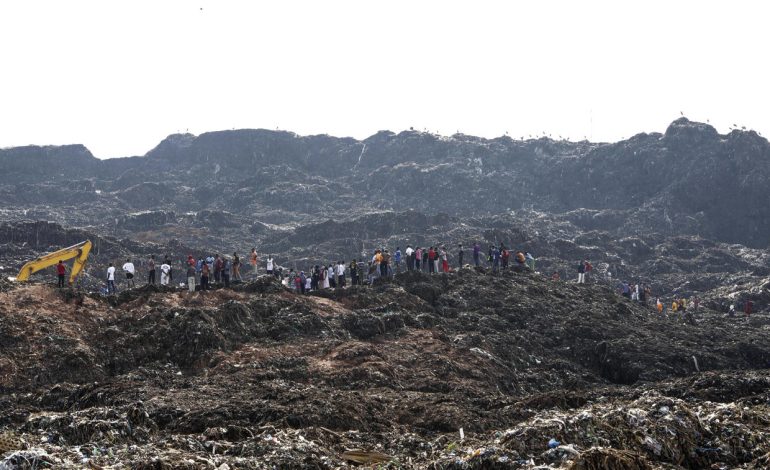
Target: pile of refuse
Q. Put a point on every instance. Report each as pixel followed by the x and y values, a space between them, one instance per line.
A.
pixel 456 371
pixel 614 434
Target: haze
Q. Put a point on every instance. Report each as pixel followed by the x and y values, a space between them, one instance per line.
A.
pixel 120 76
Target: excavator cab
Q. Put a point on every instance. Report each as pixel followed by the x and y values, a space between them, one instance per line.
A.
pixel 79 252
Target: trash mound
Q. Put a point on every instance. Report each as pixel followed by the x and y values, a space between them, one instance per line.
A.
pixel 599 458
pixel 723 386
pixel 263 284
pixel 29 459
pixel 459 370
pixel 658 428
pixel 6 285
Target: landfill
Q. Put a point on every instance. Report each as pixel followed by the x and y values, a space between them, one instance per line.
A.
pixel 466 370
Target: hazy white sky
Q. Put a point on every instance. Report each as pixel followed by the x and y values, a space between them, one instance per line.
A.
pixel 120 76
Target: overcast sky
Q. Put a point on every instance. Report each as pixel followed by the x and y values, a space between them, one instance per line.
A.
pixel 120 76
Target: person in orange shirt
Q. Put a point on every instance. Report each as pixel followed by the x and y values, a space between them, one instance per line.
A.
pixel 253 260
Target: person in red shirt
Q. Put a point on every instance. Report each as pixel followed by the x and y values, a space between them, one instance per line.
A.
pixel 431 259
pixel 747 307
pixel 61 270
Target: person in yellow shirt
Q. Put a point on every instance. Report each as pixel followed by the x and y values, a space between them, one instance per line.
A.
pixel 674 306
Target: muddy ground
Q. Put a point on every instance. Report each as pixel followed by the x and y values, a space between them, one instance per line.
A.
pixel 461 370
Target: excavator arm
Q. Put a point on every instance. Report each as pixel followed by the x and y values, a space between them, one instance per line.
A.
pixel 79 252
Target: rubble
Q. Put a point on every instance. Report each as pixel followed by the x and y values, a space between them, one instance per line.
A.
pixel 257 376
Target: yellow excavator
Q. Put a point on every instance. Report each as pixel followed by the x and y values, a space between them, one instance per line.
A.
pixel 79 252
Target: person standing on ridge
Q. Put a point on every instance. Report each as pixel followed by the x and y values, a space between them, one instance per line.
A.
pixel 331 275
pixel 151 270
pixel 426 260
pixel 409 258
pixel 226 266
pixel 334 278
pixel 314 278
pixel 747 307
pixel 61 270
pixel 270 265
pixel 377 262
pixel 460 254
pixel 476 254
pixel 199 269
pixel 397 259
pixel 170 269
pixel 111 279
pixel 505 256
pixel 299 282
pixel 253 260
pixel 191 278
pixel 165 273
pixel 324 278
pixel 417 259
pixel 385 264
pixel 218 270
pixel 581 269
pixel 341 274
pixel 353 268
pixel 495 259
pixel 431 258
pixel 128 268
pixel 205 273
pixel 444 260
pixel 210 262
pixel 236 267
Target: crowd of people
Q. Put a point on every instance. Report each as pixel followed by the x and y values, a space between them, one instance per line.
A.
pixel 220 270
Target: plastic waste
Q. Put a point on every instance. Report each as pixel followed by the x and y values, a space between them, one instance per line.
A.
pixel 553 443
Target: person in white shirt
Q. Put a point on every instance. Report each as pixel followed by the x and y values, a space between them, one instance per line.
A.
pixel 128 268
pixel 409 260
pixel 165 269
pixel 341 274
pixel 326 275
pixel 111 280
pixel 270 265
